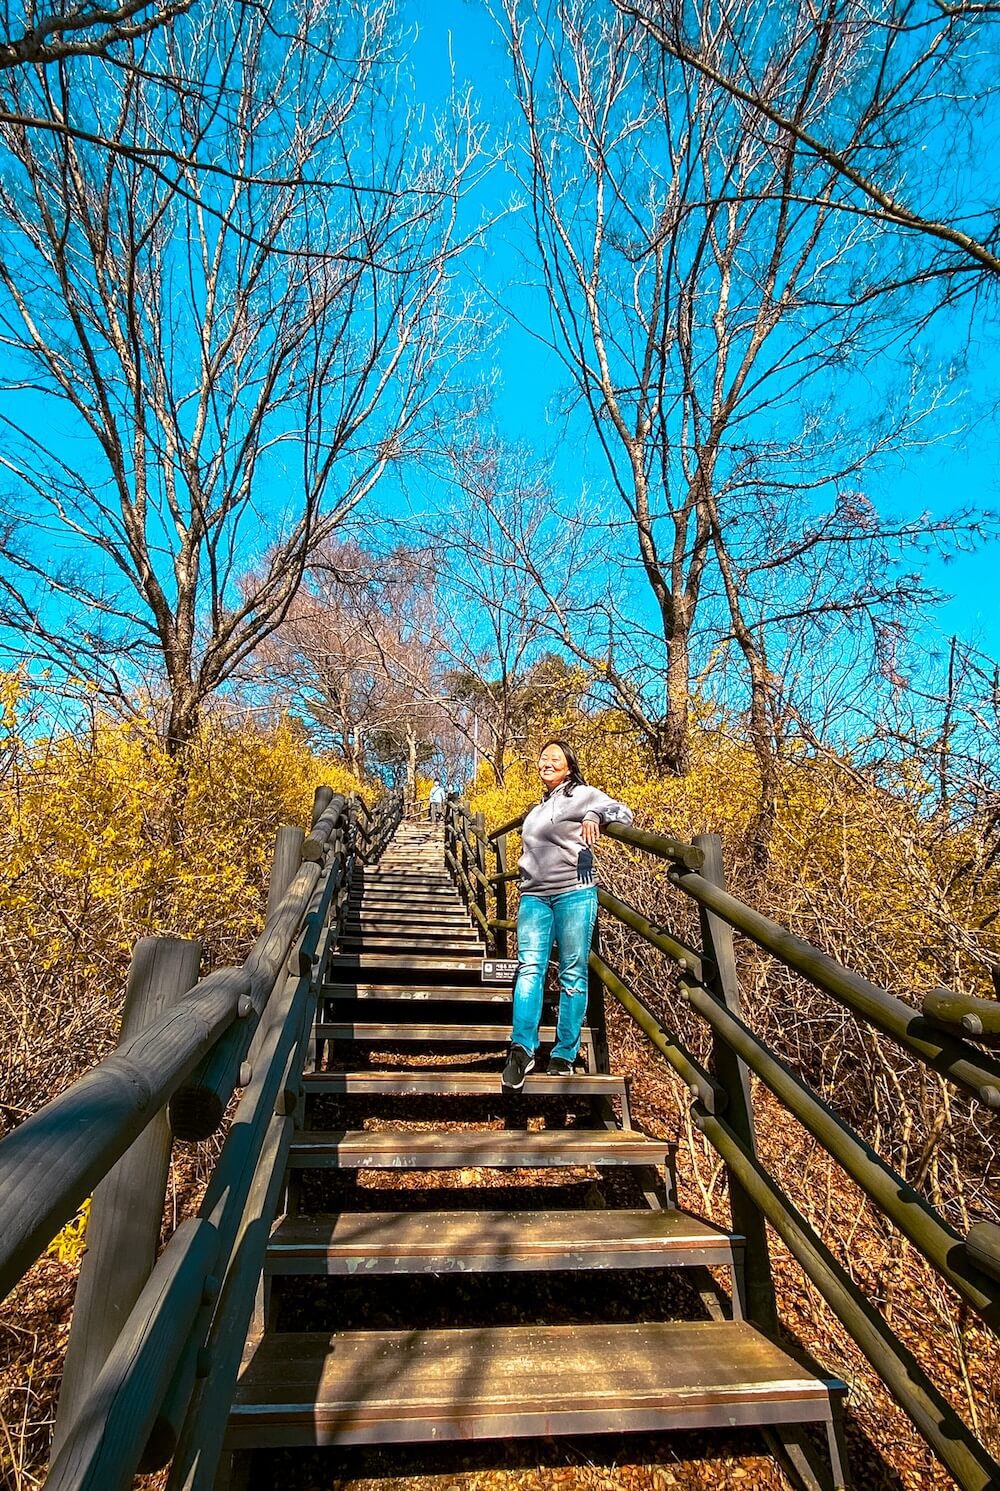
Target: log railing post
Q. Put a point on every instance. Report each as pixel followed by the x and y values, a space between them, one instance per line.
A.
pixel 126 1212
pixel 732 1075
pixel 502 937
pixel 322 798
pixel 462 852
pixel 284 863
pixel 595 1006
pixel 452 845
pixel 478 825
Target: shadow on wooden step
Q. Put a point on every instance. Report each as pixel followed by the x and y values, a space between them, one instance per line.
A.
pixel 625 1462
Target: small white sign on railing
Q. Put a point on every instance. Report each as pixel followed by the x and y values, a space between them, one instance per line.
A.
pixel 499 970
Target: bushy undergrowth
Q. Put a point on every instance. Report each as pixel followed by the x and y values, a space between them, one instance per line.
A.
pixel 104 839
pixel 906 899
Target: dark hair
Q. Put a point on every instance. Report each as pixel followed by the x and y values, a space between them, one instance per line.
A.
pixel 575 778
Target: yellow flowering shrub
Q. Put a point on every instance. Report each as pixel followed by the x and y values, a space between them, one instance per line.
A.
pixel 855 867
pixel 71 1243
pixel 104 839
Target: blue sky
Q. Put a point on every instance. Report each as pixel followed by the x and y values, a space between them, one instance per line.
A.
pixel 954 470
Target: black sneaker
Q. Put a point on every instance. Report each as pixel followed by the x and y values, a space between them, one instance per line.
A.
pixel 519 1063
pixel 559 1067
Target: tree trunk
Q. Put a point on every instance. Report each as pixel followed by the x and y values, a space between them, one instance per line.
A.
pixel 182 726
pixel 762 739
pixel 411 768
pixel 671 744
pixel 182 722
pixel 356 757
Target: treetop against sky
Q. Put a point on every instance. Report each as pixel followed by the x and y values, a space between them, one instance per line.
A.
pixel 899 405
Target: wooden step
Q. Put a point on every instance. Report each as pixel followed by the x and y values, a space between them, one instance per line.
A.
pixel 447 1082
pixel 396 1034
pixel 373 1387
pixel 448 1149
pixel 394 878
pixel 342 963
pixel 447 900
pixel 403 879
pixel 426 910
pixel 418 935
pixel 419 920
pixel 435 1242
pixel 479 993
pixel 430 945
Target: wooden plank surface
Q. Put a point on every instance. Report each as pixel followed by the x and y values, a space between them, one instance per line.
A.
pixel 412 903
pixel 413 962
pixel 357 1243
pixel 398 1386
pixel 467 1035
pixel 440 1149
pixel 488 993
pixel 431 945
pixel 415 926
pixel 447 1082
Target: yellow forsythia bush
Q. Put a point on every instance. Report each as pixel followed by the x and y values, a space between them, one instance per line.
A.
pixel 105 839
pixel 908 900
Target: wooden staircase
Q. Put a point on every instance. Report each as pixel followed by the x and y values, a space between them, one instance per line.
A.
pixel 554 1182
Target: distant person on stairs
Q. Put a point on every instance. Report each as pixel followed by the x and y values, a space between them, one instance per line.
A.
pixel 436 802
pixel 558 904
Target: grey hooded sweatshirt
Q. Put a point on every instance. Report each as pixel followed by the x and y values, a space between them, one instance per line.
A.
pixel 554 857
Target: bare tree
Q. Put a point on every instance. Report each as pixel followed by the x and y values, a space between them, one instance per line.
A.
pixel 358 651
pixel 709 303
pixel 495 611
pixel 38 36
pixel 917 68
pixel 323 662
pixel 206 374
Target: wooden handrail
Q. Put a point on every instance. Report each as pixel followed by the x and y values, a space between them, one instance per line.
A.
pixel 698 1081
pixel 939 1035
pixel 507 828
pixel 948 1055
pixel 196 1110
pixel 657 936
pixel 977 1019
pixel 76 1138
pixel 952 1441
pixel 940 1244
pixel 106 1441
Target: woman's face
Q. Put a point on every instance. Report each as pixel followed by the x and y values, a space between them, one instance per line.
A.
pixel 553 768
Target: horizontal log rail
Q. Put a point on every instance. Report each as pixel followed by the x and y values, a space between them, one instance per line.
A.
pixel 983 1247
pixel 952 1441
pixel 979 1019
pixel 107 1440
pixel 699 1083
pixel 241 1026
pixel 943 1248
pixel 74 1140
pixel 941 1035
pixel 690 960
pixel 948 1055
pixel 465 885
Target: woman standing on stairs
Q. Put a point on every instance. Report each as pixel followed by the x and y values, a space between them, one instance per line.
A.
pixel 558 904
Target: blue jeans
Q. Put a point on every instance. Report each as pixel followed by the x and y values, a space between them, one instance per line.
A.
pixel 567 919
